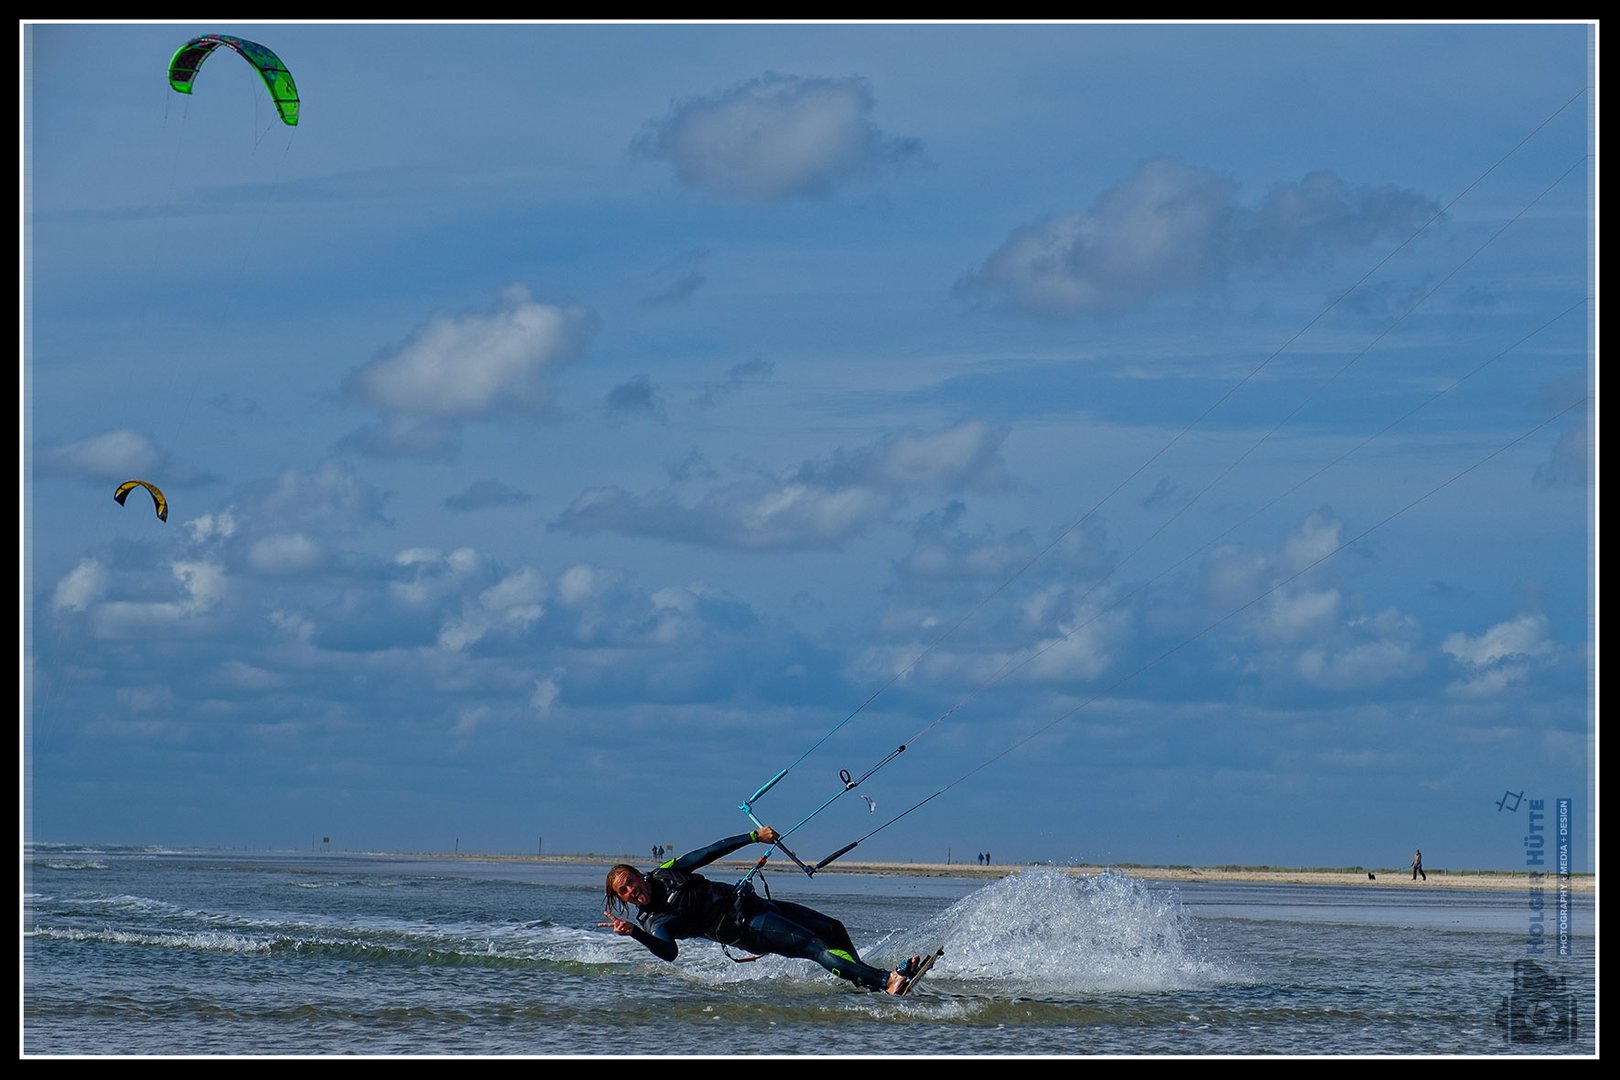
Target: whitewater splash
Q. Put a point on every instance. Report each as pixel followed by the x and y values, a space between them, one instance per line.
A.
pixel 1046 931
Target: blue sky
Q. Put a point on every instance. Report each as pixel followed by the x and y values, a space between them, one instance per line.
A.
pixel 1180 438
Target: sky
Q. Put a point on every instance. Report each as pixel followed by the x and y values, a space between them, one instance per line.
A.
pixel 1160 444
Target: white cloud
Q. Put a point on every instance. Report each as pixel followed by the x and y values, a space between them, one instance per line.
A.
pixel 435 575
pixel 1084 651
pixel 1290 615
pixel 1360 664
pixel 1172 227
pixel 776 136
pixel 114 455
pixel 285 553
pixel 511 604
pixel 1524 636
pixel 204 583
pixel 1317 537
pixel 207 527
pixel 329 498
pixel 1490 682
pixel 818 503
pixel 473 365
pixel 82 586
pixel 580 584
pixel 545 695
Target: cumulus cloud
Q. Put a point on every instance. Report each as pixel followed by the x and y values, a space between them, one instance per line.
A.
pixel 1291 615
pixel 433 575
pixel 208 527
pixel 112 455
pixel 1313 631
pixel 777 136
pixel 1172 227
pixel 1085 648
pixel 82 586
pixel 1514 640
pixel 202 585
pixel 285 553
pixel 545 695
pixel 944 552
pixel 475 365
pixel 512 603
pixel 1234 576
pixel 819 503
pixel 578 585
pixel 1358 664
pixel 329 498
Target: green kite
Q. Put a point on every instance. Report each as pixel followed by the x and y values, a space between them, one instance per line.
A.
pixel 187 59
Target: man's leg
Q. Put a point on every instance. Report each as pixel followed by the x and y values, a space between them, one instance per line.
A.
pixel 769 930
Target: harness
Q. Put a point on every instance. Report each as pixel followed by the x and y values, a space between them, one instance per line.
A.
pixel 739 912
pixel 692 899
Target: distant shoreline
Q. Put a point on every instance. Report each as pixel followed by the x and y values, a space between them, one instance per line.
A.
pixel 1392 877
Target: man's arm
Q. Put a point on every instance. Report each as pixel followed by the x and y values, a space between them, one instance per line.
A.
pixel 662 947
pixel 718 850
pixel 659 944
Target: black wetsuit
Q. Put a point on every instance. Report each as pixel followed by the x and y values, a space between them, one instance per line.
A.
pixel 683 904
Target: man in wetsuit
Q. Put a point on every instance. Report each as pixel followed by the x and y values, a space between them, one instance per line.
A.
pixel 672 903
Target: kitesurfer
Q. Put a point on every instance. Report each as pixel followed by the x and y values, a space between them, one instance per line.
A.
pixel 672 902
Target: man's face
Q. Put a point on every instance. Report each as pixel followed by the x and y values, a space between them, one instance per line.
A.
pixel 632 888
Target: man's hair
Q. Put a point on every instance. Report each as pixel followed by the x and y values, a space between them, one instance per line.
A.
pixel 618 870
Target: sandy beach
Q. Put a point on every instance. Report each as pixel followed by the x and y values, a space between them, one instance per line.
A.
pixel 1381 878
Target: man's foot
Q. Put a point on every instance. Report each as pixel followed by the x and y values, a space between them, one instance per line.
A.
pixel 900 976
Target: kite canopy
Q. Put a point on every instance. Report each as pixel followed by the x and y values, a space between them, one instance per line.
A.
pixel 159 503
pixel 187 59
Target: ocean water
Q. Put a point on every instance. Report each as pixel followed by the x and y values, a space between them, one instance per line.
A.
pixel 144 953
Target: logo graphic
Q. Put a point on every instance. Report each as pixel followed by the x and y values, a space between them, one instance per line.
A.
pixel 1539 1010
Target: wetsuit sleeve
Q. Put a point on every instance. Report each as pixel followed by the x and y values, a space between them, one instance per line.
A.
pixel 705 855
pixel 659 943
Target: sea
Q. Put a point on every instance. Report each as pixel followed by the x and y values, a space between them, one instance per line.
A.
pixel 147 953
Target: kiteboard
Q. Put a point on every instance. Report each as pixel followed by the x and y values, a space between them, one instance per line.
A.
pixel 922 969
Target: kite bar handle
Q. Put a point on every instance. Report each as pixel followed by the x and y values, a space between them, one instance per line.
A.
pixel 768 785
pixel 841 851
pixel 809 871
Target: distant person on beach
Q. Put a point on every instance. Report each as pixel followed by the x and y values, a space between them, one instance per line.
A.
pixel 671 902
pixel 1417 866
